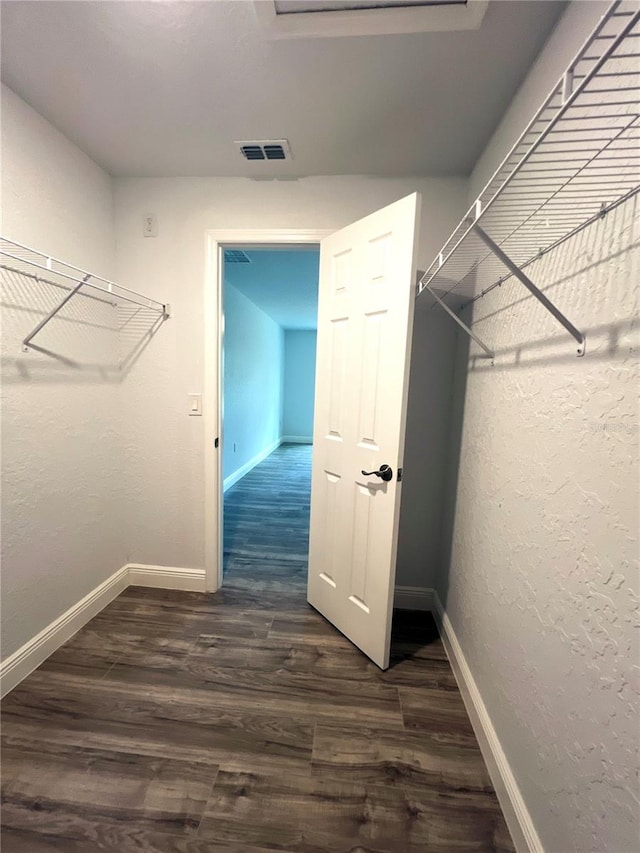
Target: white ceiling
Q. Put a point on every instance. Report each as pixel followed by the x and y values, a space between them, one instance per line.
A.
pixel 281 282
pixel 164 88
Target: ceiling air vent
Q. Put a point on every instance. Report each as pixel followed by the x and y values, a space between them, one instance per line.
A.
pixel 236 256
pixel 265 149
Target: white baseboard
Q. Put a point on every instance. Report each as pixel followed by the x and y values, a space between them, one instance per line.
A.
pixel 413 598
pixel 296 439
pixel 34 652
pixel 239 473
pixel 167 577
pixel 516 814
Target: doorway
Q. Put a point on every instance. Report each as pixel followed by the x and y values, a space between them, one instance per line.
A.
pixel 270 300
pixel 217 242
pixel 365 320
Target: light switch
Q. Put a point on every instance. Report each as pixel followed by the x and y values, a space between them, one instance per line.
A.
pixel 195 404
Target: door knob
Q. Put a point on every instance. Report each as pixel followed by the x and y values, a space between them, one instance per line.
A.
pixel 384 472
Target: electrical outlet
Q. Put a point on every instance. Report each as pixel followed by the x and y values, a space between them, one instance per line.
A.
pixel 150 225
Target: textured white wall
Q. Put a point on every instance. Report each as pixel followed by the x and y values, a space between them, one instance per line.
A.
pixel 164 469
pixel 542 588
pixel 61 531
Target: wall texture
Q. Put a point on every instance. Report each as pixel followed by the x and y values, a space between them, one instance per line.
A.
pixel 542 585
pixel 542 589
pixel 61 528
pixel 299 383
pixel 164 469
pixel 253 381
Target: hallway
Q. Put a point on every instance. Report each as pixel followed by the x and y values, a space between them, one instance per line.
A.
pixel 242 722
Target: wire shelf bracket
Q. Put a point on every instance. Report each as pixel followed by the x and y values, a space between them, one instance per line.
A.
pixel 461 323
pixel 24 260
pixel 577 159
pixel 26 343
pixel 531 287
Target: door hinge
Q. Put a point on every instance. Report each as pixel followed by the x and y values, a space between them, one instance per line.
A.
pixel 399 474
pixel 217 442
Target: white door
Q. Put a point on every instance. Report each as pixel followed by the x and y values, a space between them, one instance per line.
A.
pixel 365 315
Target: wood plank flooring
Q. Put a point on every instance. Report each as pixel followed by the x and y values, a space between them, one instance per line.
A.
pixel 242 722
pixel 266 514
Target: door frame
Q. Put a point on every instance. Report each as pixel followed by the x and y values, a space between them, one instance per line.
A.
pixel 215 242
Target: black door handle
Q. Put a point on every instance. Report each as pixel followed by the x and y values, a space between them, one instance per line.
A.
pixel 385 473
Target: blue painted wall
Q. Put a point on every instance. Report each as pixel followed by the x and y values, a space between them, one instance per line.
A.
pixel 299 382
pixel 253 381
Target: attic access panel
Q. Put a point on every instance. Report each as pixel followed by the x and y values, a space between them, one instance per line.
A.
pixel 294 7
pixel 343 18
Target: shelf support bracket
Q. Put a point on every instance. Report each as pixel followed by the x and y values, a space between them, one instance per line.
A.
pixel 535 291
pixel 462 325
pixel 27 341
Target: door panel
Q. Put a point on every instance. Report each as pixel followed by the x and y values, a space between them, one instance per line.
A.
pixel 339 332
pixel 367 275
pixel 371 398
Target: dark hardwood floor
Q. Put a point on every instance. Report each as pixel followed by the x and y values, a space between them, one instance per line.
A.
pixel 242 722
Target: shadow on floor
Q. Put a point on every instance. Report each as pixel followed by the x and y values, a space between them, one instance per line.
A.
pixel 414 636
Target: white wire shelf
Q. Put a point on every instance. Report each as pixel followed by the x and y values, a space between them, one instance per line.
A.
pixel 578 158
pixel 36 265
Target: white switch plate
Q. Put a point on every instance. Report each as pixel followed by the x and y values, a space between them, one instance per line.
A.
pixel 150 225
pixel 195 405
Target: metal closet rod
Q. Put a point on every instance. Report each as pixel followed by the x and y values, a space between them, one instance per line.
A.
pixel 83 277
